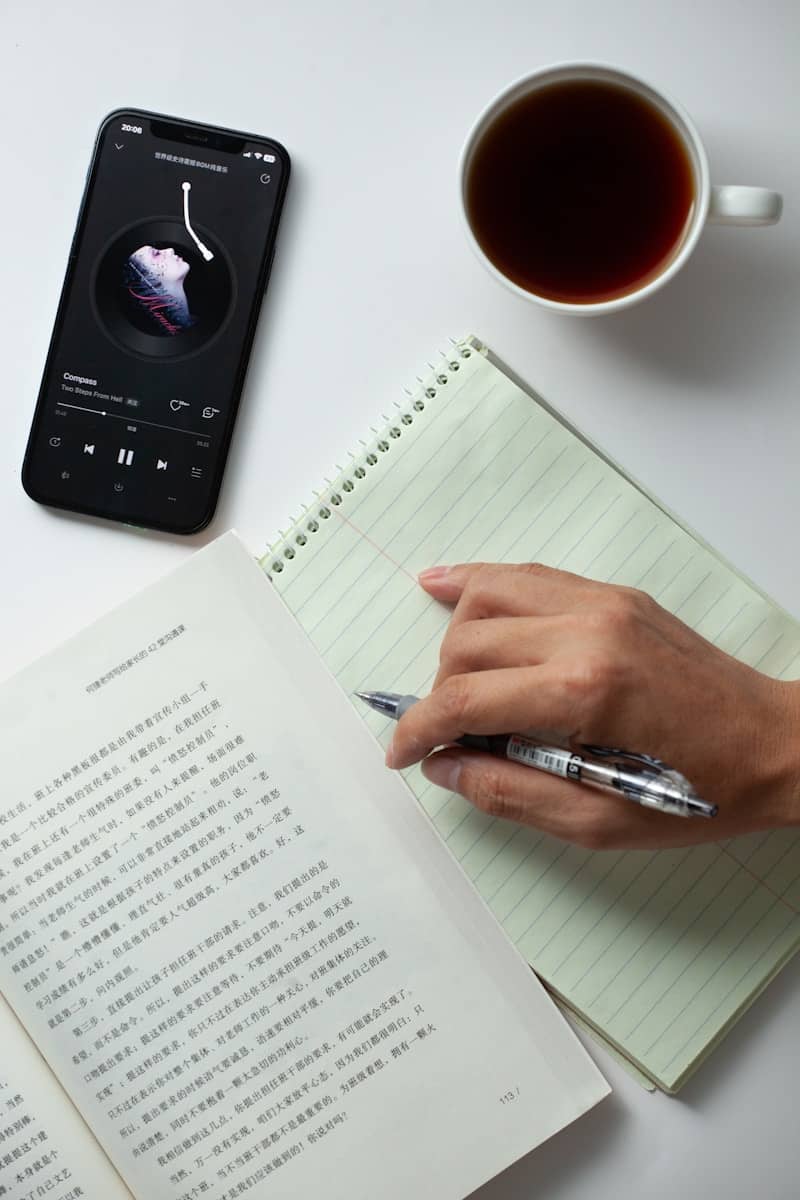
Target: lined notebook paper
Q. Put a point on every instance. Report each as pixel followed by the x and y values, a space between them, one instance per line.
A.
pixel 660 952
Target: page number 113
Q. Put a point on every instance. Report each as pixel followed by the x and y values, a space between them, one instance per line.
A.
pixel 510 1097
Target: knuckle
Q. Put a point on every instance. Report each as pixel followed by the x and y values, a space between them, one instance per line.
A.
pixel 456 648
pixel 479 587
pixel 626 607
pixel 618 614
pixel 591 681
pixel 537 570
pixel 456 699
pixel 488 791
pixel 642 604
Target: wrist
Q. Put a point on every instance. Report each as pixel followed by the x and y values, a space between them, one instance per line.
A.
pixel 783 782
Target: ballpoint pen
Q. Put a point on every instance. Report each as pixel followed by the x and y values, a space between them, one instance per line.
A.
pixel 638 777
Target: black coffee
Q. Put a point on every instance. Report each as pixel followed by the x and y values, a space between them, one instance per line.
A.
pixel 580 192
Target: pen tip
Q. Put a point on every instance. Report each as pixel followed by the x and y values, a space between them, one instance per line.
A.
pixel 362 696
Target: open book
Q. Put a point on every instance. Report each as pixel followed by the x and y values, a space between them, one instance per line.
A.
pixel 236 958
pixel 658 951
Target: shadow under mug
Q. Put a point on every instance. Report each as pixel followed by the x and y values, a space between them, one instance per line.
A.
pixel 722 205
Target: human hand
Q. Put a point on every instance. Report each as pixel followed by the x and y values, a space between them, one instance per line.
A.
pixel 530 649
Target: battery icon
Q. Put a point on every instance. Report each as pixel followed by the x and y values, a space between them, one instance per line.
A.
pixel 269 158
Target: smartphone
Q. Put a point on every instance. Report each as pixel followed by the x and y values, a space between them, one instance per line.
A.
pixel 169 262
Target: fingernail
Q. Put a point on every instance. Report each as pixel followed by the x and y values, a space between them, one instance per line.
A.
pixel 389 755
pixel 443 770
pixel 431 574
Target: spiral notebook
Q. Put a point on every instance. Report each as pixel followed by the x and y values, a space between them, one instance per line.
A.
pixel 659 952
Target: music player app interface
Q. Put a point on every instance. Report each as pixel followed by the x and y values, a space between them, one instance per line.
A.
pixel 137 402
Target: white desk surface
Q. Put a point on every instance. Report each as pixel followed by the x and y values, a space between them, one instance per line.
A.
pixel 695 391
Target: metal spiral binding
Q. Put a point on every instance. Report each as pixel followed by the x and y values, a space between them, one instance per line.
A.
pixel 349 479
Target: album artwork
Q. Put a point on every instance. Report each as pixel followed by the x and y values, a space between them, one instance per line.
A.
pixel 163 287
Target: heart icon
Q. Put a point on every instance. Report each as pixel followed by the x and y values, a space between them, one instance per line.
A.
pixel 175 405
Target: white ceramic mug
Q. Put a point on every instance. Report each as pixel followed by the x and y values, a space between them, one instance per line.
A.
pixel 728 205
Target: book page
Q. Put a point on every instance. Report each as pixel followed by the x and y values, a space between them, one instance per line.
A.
pixel 661 950
pixel 45 1147
pixel 238 943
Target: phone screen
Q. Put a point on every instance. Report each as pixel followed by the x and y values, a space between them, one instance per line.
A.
pixel 148 355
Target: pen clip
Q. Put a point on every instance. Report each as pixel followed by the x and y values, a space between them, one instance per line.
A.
pixel 628 756
pixel 648 769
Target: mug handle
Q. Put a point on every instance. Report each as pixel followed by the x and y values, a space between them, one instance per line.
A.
pixel 734 205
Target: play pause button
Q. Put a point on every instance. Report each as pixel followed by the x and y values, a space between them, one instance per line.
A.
pixel 125 457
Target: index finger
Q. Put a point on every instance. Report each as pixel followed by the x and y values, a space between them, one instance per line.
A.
pixel 507 589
